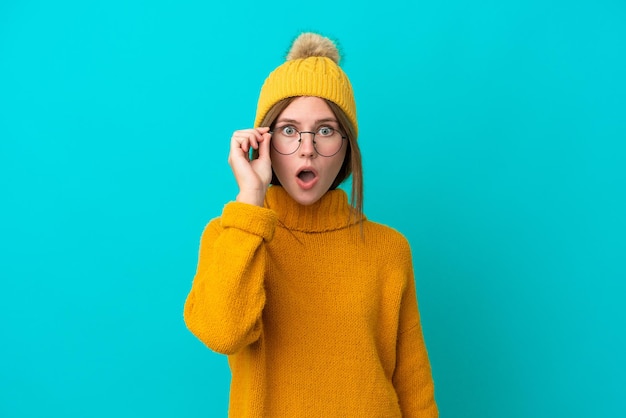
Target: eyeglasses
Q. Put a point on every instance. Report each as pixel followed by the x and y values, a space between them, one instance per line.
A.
pixel 327 141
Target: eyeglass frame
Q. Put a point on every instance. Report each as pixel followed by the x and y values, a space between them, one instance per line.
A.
pixel 343 138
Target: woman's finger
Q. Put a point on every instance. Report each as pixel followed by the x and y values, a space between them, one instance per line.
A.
pixel 248 139
pixel 264 149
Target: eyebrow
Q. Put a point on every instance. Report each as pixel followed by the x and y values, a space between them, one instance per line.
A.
pixel 296 122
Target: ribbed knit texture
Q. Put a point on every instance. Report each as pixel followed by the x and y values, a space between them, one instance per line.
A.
pixel 312 76
pixel 317 319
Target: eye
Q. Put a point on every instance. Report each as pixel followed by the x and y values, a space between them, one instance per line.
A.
pixel 325 131
pixel 288 130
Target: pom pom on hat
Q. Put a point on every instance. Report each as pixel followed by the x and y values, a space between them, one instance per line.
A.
pixel 312 69
pixel 313 45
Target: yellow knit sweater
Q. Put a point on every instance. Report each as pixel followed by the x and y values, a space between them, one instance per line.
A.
pixel 317 320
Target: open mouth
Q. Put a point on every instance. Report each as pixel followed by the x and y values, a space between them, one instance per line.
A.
pixel 306 179
pixel 306 176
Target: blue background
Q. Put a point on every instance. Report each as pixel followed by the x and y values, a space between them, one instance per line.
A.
pixel 493 138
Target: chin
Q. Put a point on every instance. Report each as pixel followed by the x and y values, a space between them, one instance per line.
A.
pixel 304 198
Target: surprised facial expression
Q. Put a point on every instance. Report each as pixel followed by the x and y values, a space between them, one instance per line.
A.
pixel 305 174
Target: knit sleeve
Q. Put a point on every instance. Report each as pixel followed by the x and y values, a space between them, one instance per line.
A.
pixel 224 307
pixel 412 377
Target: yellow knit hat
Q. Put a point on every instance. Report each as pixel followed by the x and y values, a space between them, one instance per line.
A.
pixel 311 69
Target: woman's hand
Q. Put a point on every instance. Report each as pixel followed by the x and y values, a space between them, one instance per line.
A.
pixel 253 176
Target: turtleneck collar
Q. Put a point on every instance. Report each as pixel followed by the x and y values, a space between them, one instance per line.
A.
pixel 329 213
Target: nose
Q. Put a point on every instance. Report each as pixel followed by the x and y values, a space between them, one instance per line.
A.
pixel 307 144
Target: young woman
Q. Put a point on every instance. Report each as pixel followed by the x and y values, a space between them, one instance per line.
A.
pixel 314 305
